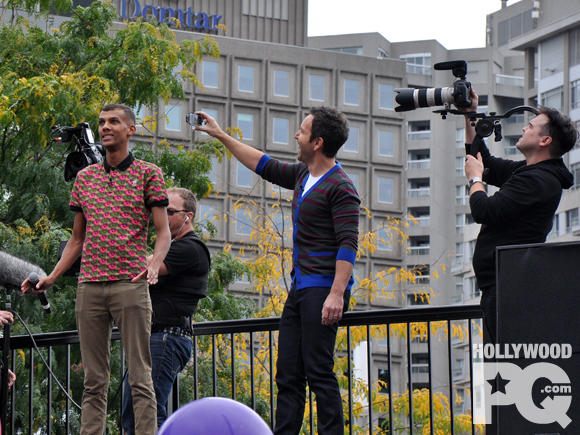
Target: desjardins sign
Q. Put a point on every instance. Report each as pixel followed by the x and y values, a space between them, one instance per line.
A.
pixel 187 18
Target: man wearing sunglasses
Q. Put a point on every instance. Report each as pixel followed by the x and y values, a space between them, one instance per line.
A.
pixel 182 283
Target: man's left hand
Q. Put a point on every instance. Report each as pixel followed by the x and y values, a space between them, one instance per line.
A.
pixel 151 273
pixel 332 309
pixel 474 167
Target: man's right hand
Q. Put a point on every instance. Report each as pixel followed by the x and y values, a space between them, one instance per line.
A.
pixel 474 102
pixel 44 283
pixel 210 126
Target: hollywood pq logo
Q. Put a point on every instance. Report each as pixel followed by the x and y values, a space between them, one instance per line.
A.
pixel 506 383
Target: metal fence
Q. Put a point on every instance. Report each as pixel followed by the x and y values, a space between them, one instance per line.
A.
pixel 255 333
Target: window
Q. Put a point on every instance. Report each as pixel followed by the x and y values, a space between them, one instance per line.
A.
pixel 458 368
pixel 459 402
pixel 419 245
pixel 459 258
pixel 553 98
pixel 462 195
pixel 385 193
pixel 246 124
pixel 384 239
pixel 351 144
pixel 460 166
pixel 386 143
pixel 281 83
pixel 419 363
pixel 510 145
pixel 350 50
pixel 351 92
pixel 575 169
pixel 211 112
pixel 422 215
pixel 574 46
pixel 419 159
pixel 246 78
pixel 277 9
pixel 316 88
pixel 209 74
pixel 386 97
pixel 383 376
pixel 139 115
pixel 212 173
pixel 243 222
pixel 575 94
pixel 206 213
pixel 572 220
pixel 472 290
pixel 418 130
pixel 418 188
pixel 418 63
pixel 173 114
pixel 280 130
pixel 461 220
pixel 459 285
pixel 460 137
pixel 244 176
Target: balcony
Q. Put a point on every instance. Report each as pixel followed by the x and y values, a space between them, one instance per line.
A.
pixel 418 250
pixel 247 376
pixel 508 86
pixel 422 192
pixel 418 164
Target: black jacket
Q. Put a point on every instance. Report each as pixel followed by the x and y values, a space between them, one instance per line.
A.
pixel 521 212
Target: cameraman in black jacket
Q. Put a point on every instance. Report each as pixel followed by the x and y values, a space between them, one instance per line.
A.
pixel 522 211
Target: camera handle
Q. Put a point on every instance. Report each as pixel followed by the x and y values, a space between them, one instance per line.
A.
pixel 486 125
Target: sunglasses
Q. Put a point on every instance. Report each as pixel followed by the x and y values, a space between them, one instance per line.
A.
pixel 171 212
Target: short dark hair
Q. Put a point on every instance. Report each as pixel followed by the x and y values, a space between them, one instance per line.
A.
pixel 561 129
pixel 330 125
pixel 128 111
pixel 189 199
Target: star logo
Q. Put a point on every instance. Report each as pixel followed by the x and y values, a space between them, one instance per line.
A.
pixel 498 384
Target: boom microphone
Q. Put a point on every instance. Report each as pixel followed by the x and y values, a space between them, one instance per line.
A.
pixel 34 278
pixel 14 271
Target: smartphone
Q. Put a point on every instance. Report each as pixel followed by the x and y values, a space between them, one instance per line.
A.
pixel 194 119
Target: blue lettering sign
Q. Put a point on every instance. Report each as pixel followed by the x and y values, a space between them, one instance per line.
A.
pixel 193 20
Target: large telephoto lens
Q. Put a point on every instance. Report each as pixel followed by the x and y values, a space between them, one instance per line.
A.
pixel 411 99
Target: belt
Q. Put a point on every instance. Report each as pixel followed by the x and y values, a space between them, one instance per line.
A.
pixel 176 330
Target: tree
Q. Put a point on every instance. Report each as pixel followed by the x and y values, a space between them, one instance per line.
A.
pixel 63 76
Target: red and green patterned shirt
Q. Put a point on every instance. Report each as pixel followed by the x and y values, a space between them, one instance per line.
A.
pixel 116 202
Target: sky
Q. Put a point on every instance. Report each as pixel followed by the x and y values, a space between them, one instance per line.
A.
pixel 454 23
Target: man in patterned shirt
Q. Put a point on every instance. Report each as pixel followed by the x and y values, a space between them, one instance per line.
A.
pixel 113 202
pixel 325 216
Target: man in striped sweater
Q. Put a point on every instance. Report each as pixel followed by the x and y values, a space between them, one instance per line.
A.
pixel 325 215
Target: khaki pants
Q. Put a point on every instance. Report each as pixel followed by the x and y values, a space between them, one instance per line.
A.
pixel 129 306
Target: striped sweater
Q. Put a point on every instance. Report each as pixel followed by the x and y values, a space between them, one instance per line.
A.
pixel 325 220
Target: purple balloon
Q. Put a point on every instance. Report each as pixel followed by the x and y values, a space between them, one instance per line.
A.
pixel 214 416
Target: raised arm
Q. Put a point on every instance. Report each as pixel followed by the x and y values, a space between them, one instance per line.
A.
pixel 247 155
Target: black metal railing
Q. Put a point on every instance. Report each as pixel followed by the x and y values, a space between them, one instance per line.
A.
pixel 223 350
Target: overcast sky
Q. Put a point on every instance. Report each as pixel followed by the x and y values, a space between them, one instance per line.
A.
pixel 454 23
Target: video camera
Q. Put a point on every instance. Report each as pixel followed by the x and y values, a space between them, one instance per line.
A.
pixel 458 94
pixel 87 151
